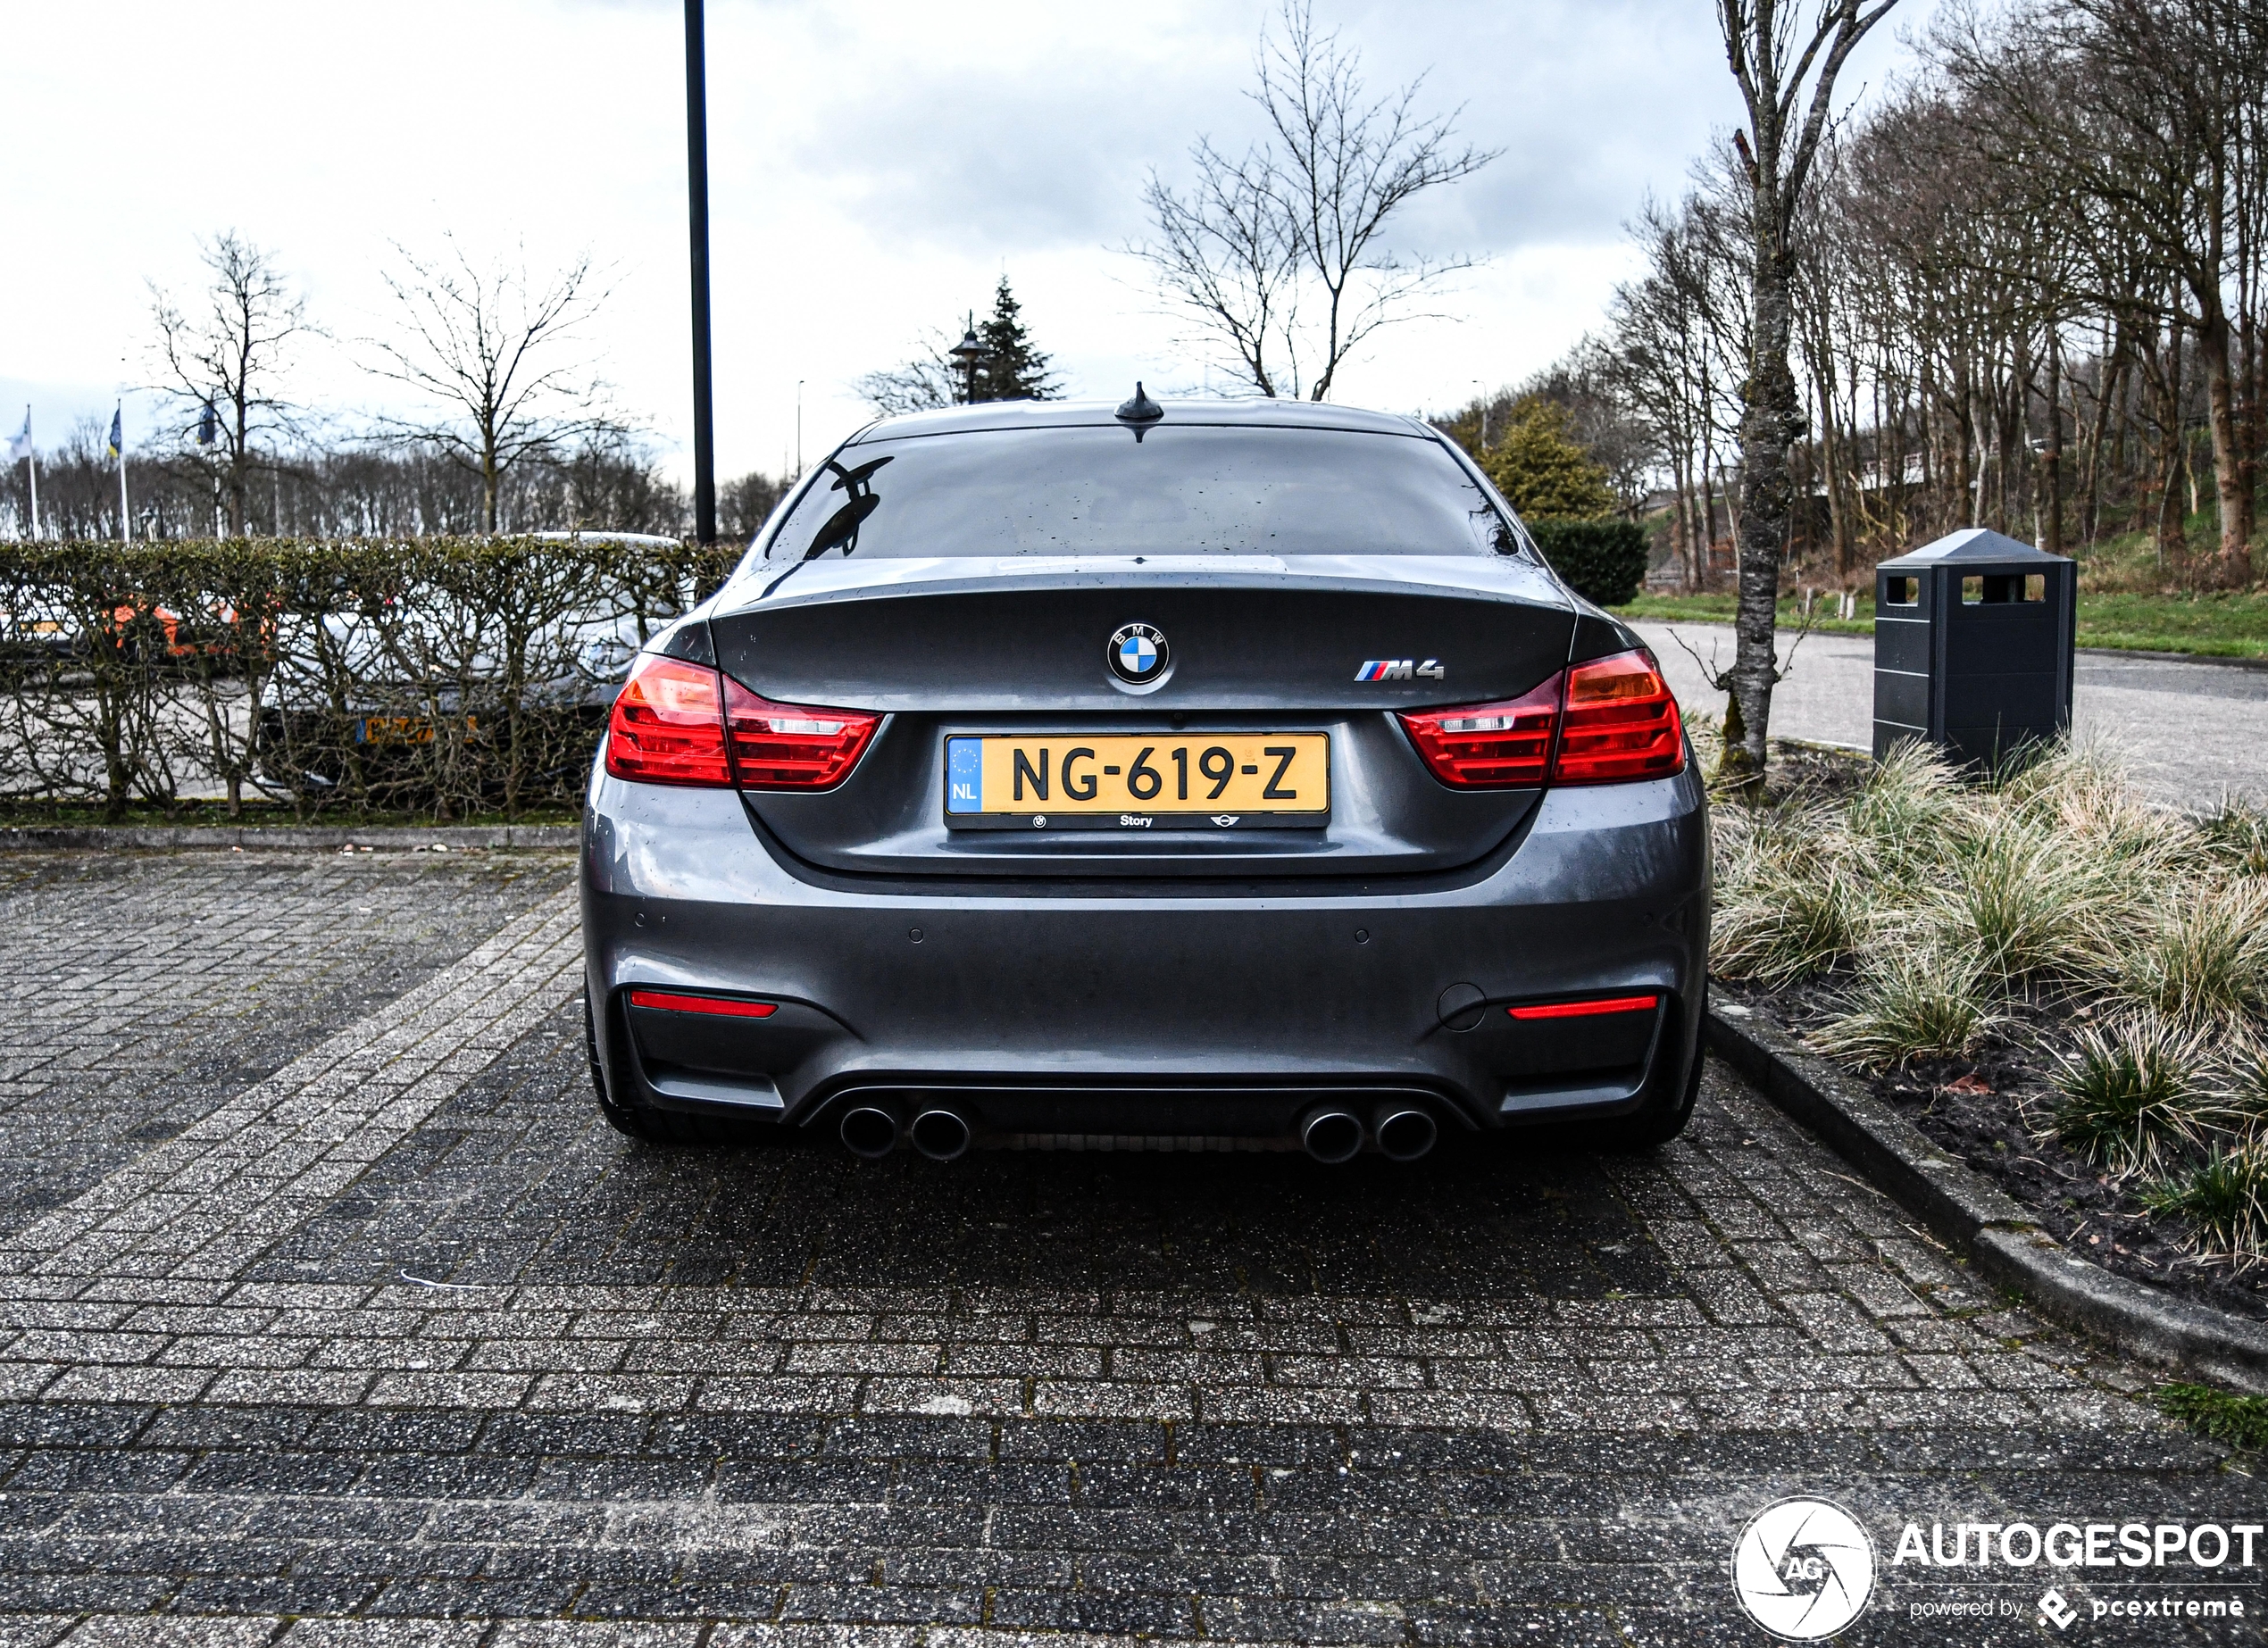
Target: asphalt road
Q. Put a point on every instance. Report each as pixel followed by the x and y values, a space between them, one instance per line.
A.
pixel 383 1337
pixel 2190 732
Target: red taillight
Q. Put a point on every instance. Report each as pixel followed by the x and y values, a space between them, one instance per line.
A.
pixel 1482 746
pixel 668 725
pixel 792 747
pixel 1619 722
pixel 1587 1010
pixel 684 724
pixel 1600 723
pixel 670 1000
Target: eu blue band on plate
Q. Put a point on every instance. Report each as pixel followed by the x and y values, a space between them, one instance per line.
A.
pixel 964 775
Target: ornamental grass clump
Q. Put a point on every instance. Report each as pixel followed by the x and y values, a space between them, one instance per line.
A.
pixel 1911 815
pixel 1780 928
pixel 2027 902
pixel 1915 1000
pixel 2235 836
pixel 2127 1095
pixel 2224 1196
pixel 2084 798
pixel 2247 1066
pixel 2045 916
pixel 1786 909
pixel 2204 958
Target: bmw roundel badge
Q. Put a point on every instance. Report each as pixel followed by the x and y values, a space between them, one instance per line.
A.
pixel 1137 655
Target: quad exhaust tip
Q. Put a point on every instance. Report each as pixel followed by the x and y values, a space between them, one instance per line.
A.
pixel 1405 1135
pixel 869 1131
pixel 941 1134
pixel 1332 1136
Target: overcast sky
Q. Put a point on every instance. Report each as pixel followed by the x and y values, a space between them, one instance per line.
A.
pixel 875 169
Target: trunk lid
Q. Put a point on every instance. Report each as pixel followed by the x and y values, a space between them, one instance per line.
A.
pixel 1261 644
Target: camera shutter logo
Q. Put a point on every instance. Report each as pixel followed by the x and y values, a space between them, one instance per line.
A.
pixel 1803 1569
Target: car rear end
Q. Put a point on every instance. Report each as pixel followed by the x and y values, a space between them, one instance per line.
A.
pixel 1251 783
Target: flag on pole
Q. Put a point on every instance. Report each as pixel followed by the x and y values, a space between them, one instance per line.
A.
pixel 20 446
pixel 118 451
pixel 208 427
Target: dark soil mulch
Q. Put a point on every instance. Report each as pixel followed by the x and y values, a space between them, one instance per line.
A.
pixel 2092 1212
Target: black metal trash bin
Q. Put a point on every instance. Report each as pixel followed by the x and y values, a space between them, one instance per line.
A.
pixel 1973 639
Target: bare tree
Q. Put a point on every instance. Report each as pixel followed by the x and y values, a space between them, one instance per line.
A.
pixel 495 355
pixel 2145 107
pixel 1281 259
pixel 2028 295
pixel 1225 259
pixel 1680 344
pixel 920 384
pixel 1786 73
pixel 223 362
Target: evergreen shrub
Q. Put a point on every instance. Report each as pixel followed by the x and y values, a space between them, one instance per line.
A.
pixel 428 676
pixel 1602 560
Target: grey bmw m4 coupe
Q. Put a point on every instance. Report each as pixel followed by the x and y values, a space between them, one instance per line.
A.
pixel 1211 775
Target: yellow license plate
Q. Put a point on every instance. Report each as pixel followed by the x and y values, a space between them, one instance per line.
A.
pixel 1147 781
pixel 400 728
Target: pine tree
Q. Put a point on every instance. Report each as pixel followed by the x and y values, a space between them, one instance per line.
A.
pixel 1543 470
pixel 1012 369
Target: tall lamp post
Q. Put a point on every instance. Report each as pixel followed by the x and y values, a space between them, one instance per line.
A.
pixel 969 352
pixel 696 167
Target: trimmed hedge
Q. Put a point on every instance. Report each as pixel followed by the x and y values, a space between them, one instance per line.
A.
pixel 1602 560
pixel 435 677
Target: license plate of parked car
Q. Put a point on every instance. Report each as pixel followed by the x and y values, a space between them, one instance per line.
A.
pixel 1147 781
pixel 400 728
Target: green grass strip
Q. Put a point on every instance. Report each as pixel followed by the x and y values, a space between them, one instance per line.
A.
pixel 2218 1416
pixel 2222 626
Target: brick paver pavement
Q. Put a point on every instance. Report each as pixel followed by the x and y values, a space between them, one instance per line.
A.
pixel 398 1343
pixel 147 987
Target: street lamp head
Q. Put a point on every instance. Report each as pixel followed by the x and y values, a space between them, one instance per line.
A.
pixel 968 351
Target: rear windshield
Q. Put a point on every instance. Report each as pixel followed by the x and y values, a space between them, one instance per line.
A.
pixel 1180 490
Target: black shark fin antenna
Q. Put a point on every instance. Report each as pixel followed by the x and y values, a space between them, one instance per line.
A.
pixel 1141 409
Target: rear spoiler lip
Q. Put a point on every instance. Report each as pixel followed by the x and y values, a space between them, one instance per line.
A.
pixel 1515 582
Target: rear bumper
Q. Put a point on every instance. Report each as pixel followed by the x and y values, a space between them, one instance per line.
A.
pixel 1142 1009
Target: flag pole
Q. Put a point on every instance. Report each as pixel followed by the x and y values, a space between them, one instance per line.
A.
pixel 125 509
pixel 31 470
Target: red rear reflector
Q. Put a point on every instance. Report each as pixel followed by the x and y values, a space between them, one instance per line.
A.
pixel 668 725
pixel 1586 1010
pixel 1604 721
pixel 792 747
pixel 670 1001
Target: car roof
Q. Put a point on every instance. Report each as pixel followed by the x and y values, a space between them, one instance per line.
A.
pixel 634 538
pixel 1252 412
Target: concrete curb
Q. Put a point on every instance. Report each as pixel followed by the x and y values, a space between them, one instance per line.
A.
pixel 1974 1217
pixel 394 837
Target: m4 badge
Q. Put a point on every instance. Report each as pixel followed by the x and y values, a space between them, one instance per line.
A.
pixel 1401 670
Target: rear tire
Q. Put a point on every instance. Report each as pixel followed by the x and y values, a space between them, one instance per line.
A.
pixel 1659 1119
pixel 658 1126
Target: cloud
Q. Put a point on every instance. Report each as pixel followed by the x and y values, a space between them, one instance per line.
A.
pixel 875 166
